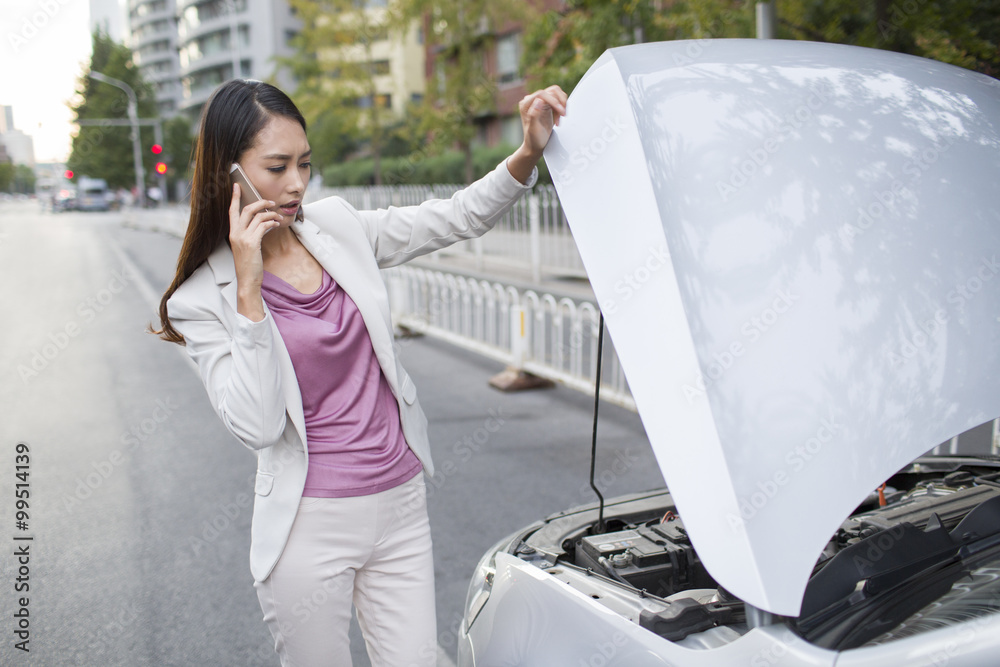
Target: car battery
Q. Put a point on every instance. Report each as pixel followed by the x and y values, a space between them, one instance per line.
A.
pixel 655 558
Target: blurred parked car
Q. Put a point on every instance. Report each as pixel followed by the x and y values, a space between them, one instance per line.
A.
pixel 93 194
pixel 64 199
pixel 795 247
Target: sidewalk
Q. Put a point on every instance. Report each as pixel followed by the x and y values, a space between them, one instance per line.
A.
pixel 173 220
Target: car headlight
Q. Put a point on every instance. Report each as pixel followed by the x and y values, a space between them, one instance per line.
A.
pixel 482 581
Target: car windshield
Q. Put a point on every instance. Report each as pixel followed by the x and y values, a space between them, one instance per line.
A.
pixel 946 589
pixel 974 594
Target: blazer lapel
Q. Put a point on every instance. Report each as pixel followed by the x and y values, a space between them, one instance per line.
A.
pixel 224 267
pixel 344 267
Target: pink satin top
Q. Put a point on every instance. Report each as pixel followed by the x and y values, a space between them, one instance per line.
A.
pixel 355 441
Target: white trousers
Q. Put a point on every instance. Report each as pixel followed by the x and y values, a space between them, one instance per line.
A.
pixel 373 551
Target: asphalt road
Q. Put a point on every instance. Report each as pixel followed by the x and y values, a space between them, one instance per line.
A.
pixel 139 506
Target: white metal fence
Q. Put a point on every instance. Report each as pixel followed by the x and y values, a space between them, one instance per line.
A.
pixel 552 337
pixel 533 237
pixel 538 333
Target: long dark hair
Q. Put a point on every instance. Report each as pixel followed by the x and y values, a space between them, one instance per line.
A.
pixel 233 117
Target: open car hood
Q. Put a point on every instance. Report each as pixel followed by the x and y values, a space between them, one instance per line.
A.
pixel 796 249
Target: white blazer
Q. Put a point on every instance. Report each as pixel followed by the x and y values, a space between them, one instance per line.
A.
pixel 244 364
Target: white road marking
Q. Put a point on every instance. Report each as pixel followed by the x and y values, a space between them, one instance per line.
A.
pixel 148 294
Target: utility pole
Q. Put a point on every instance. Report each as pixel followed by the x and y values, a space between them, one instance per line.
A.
pixel 155 123
pixel 234 45
pixel 133 116
pixel 767 20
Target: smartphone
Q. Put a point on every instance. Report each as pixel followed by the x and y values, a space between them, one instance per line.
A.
pixel 248 193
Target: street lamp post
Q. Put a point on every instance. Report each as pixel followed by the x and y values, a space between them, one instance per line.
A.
pixel 234 45
pixel 133 116
pixel 767 20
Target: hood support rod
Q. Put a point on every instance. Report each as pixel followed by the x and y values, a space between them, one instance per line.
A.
pixel 593 444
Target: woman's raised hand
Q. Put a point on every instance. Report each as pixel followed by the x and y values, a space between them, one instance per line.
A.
pixel 540 112
pixel 246 229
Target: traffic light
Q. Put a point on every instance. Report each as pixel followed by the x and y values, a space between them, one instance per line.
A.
pixel 161 168
pixel 68 173
pixel 156 148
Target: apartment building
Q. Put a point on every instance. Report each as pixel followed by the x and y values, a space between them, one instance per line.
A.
pixel 152 37
pixel 218 40
pixel 396 61
pixel 499 55
pixel 186 48
pixel 15 145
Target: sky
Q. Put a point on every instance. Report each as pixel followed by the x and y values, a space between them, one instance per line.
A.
pixel 44 47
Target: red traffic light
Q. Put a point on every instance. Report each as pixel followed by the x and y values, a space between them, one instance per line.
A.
pixel 68 173
pixel 156 148
pixel 161 168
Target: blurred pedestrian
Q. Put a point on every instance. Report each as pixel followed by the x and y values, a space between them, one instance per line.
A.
pixel 284 311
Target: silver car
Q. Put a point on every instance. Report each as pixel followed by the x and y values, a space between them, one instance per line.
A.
pixel 828 315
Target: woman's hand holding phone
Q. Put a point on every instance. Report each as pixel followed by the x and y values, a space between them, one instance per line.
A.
pixel 246 230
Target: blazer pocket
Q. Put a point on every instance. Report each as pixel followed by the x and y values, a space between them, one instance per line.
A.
pixel 262 486
pixel 408 390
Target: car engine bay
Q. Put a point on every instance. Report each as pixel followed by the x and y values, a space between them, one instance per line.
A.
pixel 931 529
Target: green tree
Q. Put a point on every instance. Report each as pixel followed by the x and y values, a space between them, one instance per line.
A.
pixel 960 32
pixel 336 73
pixel 178 144
pixel 23 180
pixel 19 178
pixel 707 19
pixel 562 44
pixel 460 34
pixel 105 151
pixel 6 176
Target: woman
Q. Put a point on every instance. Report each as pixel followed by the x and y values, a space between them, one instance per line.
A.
pixel 284 311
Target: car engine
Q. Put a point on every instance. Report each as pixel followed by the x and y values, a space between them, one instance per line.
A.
pixel 931 525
